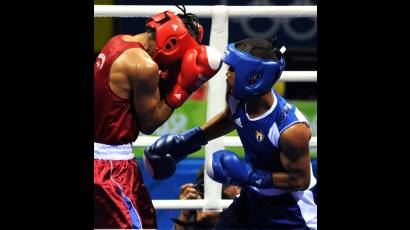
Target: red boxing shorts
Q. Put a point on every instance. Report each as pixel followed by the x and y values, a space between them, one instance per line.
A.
pixel 121 199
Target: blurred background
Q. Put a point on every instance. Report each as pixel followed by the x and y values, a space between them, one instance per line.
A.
pixel 297 34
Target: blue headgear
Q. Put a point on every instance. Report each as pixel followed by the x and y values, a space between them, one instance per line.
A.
pixel 264 72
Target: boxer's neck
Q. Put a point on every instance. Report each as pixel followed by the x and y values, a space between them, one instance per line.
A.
pixel 257 105
pixel 146 41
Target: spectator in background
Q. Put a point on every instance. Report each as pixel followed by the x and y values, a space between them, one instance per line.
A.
pixel 198 219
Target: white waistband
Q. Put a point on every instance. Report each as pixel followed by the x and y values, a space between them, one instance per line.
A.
pixel 113 152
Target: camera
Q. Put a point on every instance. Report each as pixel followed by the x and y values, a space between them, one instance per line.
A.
pixel 200 188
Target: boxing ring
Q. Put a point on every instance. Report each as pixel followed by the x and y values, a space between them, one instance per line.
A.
pixel 217 85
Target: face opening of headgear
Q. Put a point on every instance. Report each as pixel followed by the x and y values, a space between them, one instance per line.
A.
pixel 253 75
pixel 172 37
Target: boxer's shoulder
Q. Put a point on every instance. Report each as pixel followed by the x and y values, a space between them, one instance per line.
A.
pixel 138 64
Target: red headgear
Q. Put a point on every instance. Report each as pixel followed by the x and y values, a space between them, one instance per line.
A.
pixel 172 37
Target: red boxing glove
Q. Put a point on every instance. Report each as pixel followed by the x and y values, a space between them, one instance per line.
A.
pixel 171 72
pixel 197 67
pixel 168 78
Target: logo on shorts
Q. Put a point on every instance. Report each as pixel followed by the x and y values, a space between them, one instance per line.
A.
pixel 259 136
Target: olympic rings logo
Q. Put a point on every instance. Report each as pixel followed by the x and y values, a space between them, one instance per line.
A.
pixel 286 23
pixel 175 124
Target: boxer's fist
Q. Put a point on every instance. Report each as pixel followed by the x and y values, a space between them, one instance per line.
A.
pixel 227 168
pixel 197 67
pixel 161 157
pixel 157 160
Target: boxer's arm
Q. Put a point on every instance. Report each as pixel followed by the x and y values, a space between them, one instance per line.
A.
pixel 151 111
pixel 219 125
pixel 295 158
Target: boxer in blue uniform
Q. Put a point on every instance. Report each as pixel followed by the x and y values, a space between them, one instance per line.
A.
pixel 276 175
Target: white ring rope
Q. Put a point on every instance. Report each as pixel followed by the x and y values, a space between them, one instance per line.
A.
pixel 299 76
pixel 206 11
pixel 185 204
pixel 229 141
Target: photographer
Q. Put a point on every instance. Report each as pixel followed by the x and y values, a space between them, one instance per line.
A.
pixel 198 219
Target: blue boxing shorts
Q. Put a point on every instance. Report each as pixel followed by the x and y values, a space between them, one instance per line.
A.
pixel 252 210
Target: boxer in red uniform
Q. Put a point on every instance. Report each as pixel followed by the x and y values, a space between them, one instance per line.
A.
pixel 138 81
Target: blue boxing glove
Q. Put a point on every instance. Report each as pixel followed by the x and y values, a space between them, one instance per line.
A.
pixel 225 167
pixel 161 157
